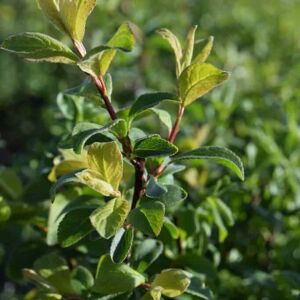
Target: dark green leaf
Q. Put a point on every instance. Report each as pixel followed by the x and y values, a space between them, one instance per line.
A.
pixel 74 226
pixel 145 253
pixel 220 155
pixel 154 146
pixel 121 245
pixel 63 180
pixel 86 133
pixel 147 101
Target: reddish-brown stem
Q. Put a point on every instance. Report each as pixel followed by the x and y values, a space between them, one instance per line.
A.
pixel 172 136
pixel 175 129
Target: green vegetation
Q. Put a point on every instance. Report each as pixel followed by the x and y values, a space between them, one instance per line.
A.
pixel 125 187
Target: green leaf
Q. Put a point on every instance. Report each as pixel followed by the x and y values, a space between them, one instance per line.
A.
pixel 154 189
pixel 107 160
pixel 147 101
pixel 115 278
pixel 154 146
pixel 5 211
pixel 171 228
pixel 105 169
pixel 220 155
pixel 86 133
pixel 175 44
pixel 108 219
pixel 62 181
pixel 145 253
pixel 74 226
pixel 175 195
pixel 204 54
pixel 121 245
pixel 94 180
pixel 82 280
pixel 198 290
pixel 98 60
pixel 148 217
pixel 10 184
pixel 39 47
pixel 173 282
pixel 55 270
pixel 68 16
pixel 123 39
pixel 119 129
pixel 153 294
pixel 197 80
pixel 164 117
pixel 189 48
pixel 225 211
pixel 214 204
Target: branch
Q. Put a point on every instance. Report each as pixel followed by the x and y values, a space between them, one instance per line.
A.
pixel 172 136
pixel 139 164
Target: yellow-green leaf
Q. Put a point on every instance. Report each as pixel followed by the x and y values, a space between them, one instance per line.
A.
pixel 173 282
pixel 93 180
pixel 106 159
pixel 204 54
pixel 69 16
pixel 98 60
pixel 108 219
pixel 153 294
pixel 189 48
pixel 175 44
pixel 197 80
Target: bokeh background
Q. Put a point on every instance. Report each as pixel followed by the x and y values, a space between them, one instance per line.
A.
pixel 255 114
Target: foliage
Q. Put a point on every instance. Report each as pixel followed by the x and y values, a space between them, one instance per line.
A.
pixel 257 257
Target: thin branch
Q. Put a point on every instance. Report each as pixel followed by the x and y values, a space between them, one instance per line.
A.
pixel 139 164
pixel 172 136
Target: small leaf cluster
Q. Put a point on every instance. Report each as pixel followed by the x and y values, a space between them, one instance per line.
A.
pixel 130 174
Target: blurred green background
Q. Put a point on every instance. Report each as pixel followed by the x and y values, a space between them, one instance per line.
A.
pixel 255 114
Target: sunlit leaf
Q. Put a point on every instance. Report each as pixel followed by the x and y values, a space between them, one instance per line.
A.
pixel 107 220
pixel 69 16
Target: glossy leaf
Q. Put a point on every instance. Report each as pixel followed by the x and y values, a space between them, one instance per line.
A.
pixel 74 226
pixel 68 16
pixel 173 282
pixel 114 278
pixel 220 155
pixel 107 220
pixel 148 217
pixel 121 245
pixel 39 47
pixel 154 146
pixel 197 80
pixel 164 117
